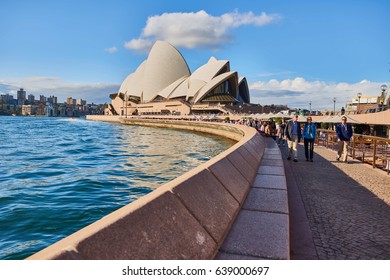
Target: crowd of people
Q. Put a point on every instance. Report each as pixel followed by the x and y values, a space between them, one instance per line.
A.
pixel 292 131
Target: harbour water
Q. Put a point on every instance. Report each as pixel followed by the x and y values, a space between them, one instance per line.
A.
pixel 57 175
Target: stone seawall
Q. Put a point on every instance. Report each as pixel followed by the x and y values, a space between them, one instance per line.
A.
pixel 186 218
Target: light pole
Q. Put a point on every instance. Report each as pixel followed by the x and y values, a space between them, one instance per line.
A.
pixel 123 104
pixel 310 108
pixel 383 96
pixel 359 96
pixel 126 102
pixel 334 106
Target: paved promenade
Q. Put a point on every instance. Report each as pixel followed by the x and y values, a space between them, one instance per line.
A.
pixel 337 210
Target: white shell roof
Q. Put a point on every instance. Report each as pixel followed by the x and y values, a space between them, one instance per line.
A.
pixel 181 90
pixel 215 82
pixel 164 66
pixel 166 73
pixel 133 84
pixel 195 86
pixel 172 87
pixel 208 71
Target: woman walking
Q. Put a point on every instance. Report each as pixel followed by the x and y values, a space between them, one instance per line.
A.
pixel 309 134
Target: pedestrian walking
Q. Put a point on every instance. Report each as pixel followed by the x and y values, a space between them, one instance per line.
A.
pixel 282 127
pixel 309 134
pixel 293 135
pixel 344 134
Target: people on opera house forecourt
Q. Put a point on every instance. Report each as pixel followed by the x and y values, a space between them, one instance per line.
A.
pixel 309 134
pixel 344 134
pixel 293 135
pixel 281 136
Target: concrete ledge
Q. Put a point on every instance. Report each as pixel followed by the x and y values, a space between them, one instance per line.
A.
pixel 187 218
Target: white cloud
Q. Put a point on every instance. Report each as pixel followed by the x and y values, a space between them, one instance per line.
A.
pixel 92 92
pixel 140 45
pixel 297 93
pixel 192 30
pixel 111 50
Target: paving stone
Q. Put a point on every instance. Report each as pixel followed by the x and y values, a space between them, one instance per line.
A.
pixel 270 181
pixel 271 156
pixel 269 200
pixel 272 162
pixel 275 151
pixel 260 234
pixel 347 206
pixel 271 170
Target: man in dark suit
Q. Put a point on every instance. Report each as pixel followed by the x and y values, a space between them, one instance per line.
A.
pixel 292 133
pixel 344 133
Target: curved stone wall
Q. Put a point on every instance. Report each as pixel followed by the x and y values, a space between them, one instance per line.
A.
pixel 186 218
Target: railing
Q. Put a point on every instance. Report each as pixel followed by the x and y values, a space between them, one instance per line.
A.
pixel 368 149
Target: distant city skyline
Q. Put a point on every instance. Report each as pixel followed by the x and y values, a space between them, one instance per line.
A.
pixel 22 94
pixel 291 53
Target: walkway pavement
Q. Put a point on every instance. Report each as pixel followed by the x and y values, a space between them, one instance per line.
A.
pixel 337 210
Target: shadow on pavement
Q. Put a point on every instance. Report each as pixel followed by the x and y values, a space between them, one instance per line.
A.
pixel 332 216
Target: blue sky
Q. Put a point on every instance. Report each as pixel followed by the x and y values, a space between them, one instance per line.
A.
pixel 291 52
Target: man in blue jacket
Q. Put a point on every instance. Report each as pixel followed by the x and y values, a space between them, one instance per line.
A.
pixel 344 134
pixel 293 134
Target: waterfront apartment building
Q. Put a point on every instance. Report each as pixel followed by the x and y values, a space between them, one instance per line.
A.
pixel 52 100
pixel 42 99
pixel 6 99
pixel 31 98
pixel 21 96
pixel 81 102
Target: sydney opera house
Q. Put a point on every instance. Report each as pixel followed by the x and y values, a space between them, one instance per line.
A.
pixel 163 84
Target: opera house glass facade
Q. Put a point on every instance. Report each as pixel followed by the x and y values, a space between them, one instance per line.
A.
pixel 163 84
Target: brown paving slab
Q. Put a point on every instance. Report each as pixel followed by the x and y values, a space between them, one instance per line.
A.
pixel 259 234
pixel 258 145
pixel 270 181
pixel 271 170
pixel 271 156
pixel 231 179
pixel 269 151
pixel 212 205
pixel 241 164
pixel 253 150
pixel 272 162
pixel 162 229
pixel 251 159
pixel 269 200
